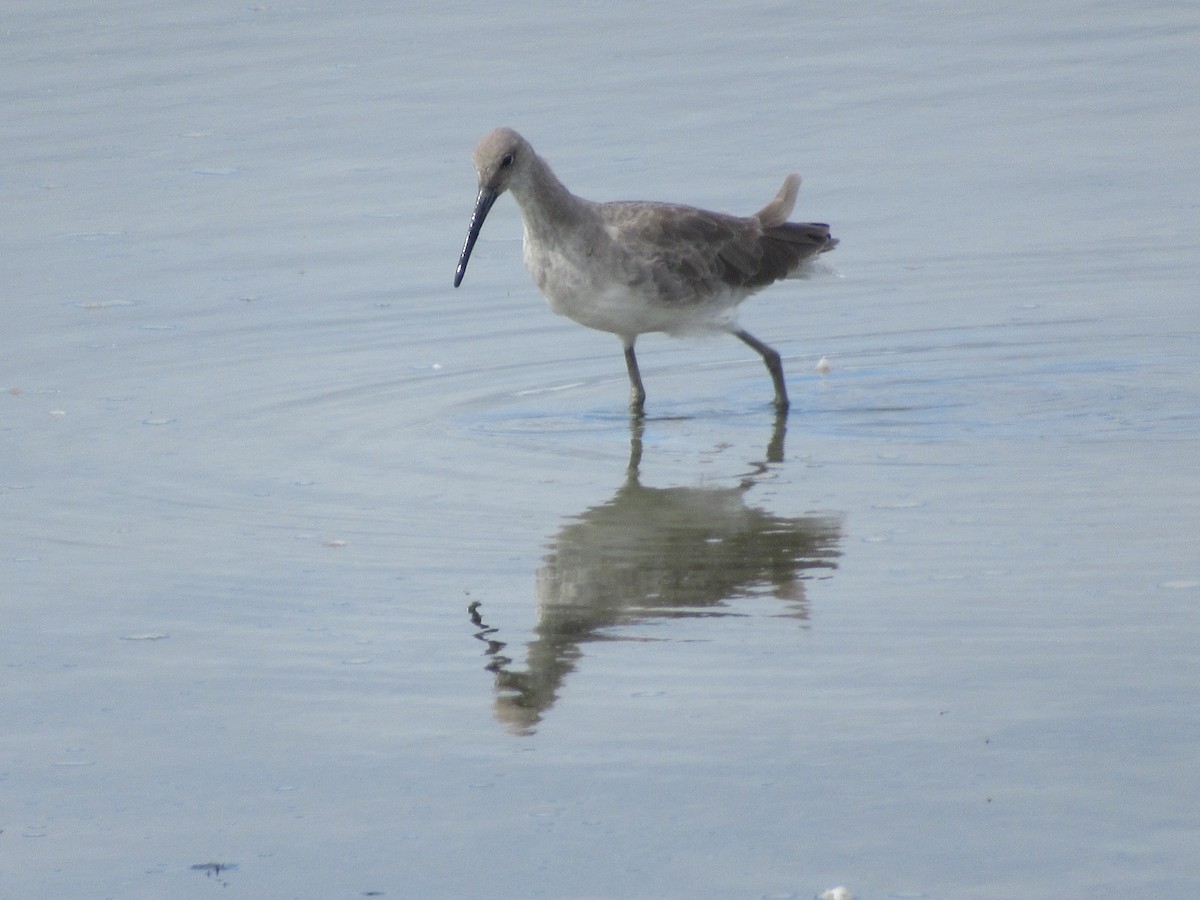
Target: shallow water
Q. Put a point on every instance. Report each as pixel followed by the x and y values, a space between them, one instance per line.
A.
pixel 323 579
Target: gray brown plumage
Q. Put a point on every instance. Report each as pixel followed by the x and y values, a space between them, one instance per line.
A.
pixel 635 267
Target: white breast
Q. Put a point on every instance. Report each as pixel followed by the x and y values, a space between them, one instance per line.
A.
pixel 596 291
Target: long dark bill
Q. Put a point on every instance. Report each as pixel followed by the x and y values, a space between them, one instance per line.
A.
pixel 483 203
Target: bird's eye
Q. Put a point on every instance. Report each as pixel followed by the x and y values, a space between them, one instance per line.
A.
pixel 506 161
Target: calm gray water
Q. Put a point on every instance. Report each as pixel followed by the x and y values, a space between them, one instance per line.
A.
pixel 323 579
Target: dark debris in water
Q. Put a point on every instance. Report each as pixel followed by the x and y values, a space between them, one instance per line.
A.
pixel 214 870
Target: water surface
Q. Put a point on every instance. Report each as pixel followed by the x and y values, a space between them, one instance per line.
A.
pixel 323 579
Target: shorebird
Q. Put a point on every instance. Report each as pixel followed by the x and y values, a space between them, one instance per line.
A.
pixel 636 267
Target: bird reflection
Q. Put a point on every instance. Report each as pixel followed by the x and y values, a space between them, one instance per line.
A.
pixel 652 553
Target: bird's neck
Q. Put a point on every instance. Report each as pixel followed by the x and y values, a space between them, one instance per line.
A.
pixel 546 204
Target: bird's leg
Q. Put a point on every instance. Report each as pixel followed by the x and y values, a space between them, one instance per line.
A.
pixel 774 366
pixel 637 428
pixel 778 434
pixel 637 393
